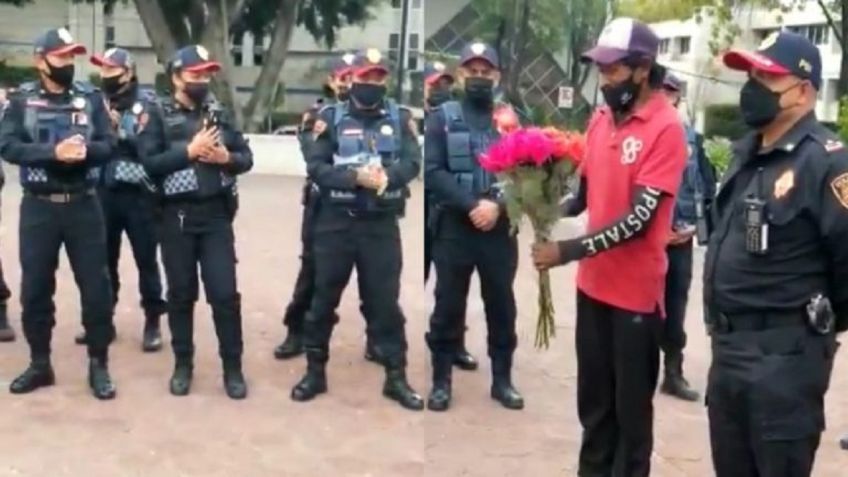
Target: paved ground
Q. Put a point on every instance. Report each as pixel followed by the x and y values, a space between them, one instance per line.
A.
pixel 352 431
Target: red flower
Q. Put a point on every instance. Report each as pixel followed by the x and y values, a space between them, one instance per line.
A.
pixel 523 147
pixel 567 145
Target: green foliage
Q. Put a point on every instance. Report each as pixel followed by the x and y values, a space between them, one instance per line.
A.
pixel 842 121
pixel 536 192
pixel 15 75
pixel 719 153
pixel 323 18
pixel 724 120
pixel 652 11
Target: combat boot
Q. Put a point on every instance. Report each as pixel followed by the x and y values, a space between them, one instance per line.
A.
pixel 99 380
pixel 234 382
pixel 398 389
pixel 39 374
pixel 464 360
pixel 843 443
pixel 440 394
pixel 291 347
pixel 314 382
pixel 7 333
pixel 152 335
pixel 502 388
pixel 181 379
pixel 674 384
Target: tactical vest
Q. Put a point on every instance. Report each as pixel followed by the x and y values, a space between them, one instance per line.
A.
pixel 358 146
pixel 187 183
pixel 49 123
pixel 464 147
pixel 128 170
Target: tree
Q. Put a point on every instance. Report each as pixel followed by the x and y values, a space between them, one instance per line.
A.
pixel 213 23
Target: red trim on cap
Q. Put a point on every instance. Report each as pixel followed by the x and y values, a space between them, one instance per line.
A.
pixel 364 70
pixel 101 61
pixel 342 72
pixel 478 57
pixel 212 66
pixel 435 77
pixel 73 48
pixel 747 61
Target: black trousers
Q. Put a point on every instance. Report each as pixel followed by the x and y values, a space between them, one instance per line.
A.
pixel 765 397
pixel 617 367
pixel 5 293
pixel 373 246
pixel 130 210
pixel 44 228
pixel 304 286
pixel 677 283
pixel 494 255
pixel 428 238
pixel 201 233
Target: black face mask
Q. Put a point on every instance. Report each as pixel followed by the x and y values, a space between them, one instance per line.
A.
pixel 438 96
pixel 621 97
pixel 367 96
pixel 197 92
pixel 760 105
pixel 343 94
pixel 480 90
pixel 61 75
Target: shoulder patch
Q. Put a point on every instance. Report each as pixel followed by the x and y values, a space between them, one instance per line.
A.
pixel 840 189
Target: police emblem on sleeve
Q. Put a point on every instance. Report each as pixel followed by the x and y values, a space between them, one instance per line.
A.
pixel 833 145
pixel 784 184
pixel 840 189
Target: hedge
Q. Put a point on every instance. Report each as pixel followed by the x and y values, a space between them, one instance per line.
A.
pixel 15 75
pixel 724 120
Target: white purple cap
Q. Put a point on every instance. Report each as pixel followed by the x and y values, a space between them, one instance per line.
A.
pixel 623 38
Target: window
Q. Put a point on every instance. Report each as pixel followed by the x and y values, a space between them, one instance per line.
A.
pixel 818 34
pixel 685 45
pixel 413 41
pixel 412 61
pixel 394 41
pixel 236 50
pixel 110 37
pixel 664 46
pixel 396 3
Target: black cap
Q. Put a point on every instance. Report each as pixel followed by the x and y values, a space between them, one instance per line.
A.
pixel 194 58
pixel 58 41
pixel 782 53
pixel 479 51
pixel 341 65
pixel 368 60
pixel 115 58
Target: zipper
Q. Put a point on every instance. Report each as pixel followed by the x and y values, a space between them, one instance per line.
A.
pixel 181 216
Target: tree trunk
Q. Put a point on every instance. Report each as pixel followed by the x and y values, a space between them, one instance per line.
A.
pixel 842 84
pixel 216 38
pixel 153 19
pixel 262 98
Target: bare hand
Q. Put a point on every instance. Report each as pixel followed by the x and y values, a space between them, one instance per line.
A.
pixel 545 255
pixel 368 178
pixel 680 237
pixel 485 215
pixel 71 149
pixel 115 118
pixel 204 140
pixel 215 155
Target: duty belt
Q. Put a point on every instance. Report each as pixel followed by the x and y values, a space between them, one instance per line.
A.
pixel 63 197
pixel 735 322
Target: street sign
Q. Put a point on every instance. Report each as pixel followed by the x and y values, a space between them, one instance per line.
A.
pixel 566 97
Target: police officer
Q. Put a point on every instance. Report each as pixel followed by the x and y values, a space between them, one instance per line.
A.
pixel 337 86
pixel 194 154
pixel 438 89
pixel 776 269
pixel 59 133
pixel 125 193
pixel 471 230
pixel 365 154
pixel 695 190
pixel 7 333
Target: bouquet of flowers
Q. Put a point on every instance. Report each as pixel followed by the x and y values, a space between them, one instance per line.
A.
pixel 534 166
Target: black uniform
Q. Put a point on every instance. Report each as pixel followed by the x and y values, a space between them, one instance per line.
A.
pixel 127 199
pixel 198 204
pixel 358 227
pixel 6 331
pixel 771 368
pixel 455 135
pixel 60 207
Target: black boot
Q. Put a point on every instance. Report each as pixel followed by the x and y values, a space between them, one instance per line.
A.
pixel 291 347
pixel 502 389
pixel 440 395
pixel 152 336
pixel 398 389
pixel 39 374
pixel 99 380
pixel 463 359
pixel 234 382
pixel 314 382
pixel 843 443
pixel 7 333
pixel 181 379
pixel 674 383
